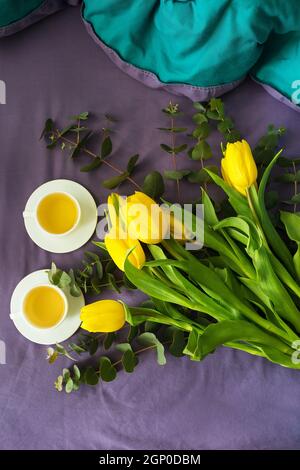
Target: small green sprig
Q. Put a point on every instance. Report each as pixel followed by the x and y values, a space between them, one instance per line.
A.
pixel 138 340
pixel 216 112
pixel 95 275
pixel 291 175
pixel 63 138
pixel 173 149
pixel 201 151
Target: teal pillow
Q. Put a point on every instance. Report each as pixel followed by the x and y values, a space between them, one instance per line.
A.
pixel 189 45
pixel 15 10
pixel 279 67
pixel 16 15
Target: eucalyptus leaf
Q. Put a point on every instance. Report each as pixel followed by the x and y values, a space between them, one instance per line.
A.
pixel 90 376
pixel 201 151
pixel 176 174
pixel 149 339
pixel 154 185
pixel 96 163
pixel 107 370
pixel 115 181
pixel 109 339
pixel 81 144
pixel 48 127
pixel 132 163
pixel 69 386
pixel 106 147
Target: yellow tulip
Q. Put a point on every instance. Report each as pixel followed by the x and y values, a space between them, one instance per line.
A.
pixel 114 204
pixel 238 166
pixel 118 250
pixel 104 316
pixel 144 219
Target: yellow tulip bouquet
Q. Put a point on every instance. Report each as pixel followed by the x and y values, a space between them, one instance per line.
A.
pixel 241 290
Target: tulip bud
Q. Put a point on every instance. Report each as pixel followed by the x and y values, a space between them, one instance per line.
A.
pixel 104 316
pixel 118 249
pixel 238 166
pixel 145 219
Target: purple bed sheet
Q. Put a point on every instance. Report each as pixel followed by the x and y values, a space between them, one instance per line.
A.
pixel 229 401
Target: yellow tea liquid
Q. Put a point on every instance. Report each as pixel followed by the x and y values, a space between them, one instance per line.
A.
pixel 44 307
pixel 57 213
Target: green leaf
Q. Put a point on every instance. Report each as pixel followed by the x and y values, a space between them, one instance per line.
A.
pixel 96 163
pixel 178 342
pixel 76 372
pixel 201 151
pixel 237 201
pixel 107 370
pixel 75 290
pixel 81 144
pixel 201 344
pixel 166 148
pixel 202 131
pixel 201 176
pixel 272 235
pixel 82 116
pixel 216 104
pixel 210 216
pixel 48 127
pixel 90 376
pixel 64 280
pixel 154 185
pixel 129 359
pixel 179 148
pixel 199 106
pixel 69 386
pixel 106 147
pixel 175 130
pixel 291 222
pixel 148 340
pixel 97 263
pixel 112 282
pixel 273 288
pixel 132 163
pixel 115 181
pixel 133 332
pixel 153 287
pixel 225 125
pixel 176 174
pixel 200 118
pixel 109 339
pixel 78 349
pixel 66 375
pixel 296 198
pixel 93 346
pixel 214 115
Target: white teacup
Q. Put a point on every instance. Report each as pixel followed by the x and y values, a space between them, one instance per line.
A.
pixel 48 205
pixel 44 306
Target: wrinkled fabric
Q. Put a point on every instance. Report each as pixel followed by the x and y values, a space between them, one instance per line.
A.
pixel 199 44
pixel 230 400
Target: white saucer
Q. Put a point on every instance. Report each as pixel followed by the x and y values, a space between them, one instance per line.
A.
pixel 52 335
pixel 81 234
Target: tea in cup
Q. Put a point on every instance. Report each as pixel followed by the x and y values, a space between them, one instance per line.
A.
pixel 57 213
pixel 43 307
